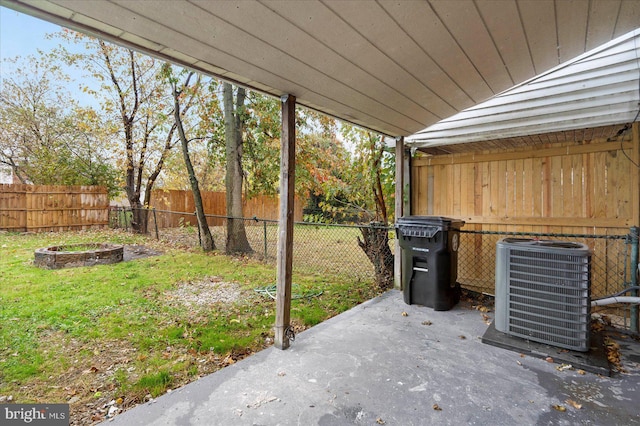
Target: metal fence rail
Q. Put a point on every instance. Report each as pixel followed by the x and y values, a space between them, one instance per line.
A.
pixel 333 250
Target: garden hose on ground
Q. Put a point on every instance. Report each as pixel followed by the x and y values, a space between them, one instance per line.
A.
pixel 270 290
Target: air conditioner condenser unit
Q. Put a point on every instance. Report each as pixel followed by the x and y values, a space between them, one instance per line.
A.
pixel 543 291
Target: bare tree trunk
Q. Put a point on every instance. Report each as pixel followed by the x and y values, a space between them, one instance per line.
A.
pixel 139 217
pixel 206 239
pixel 236 234
pixel 375 244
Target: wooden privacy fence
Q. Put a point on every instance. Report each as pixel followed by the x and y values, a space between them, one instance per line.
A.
pixel 589 188
pixel 215 204
pixel 569 189
pixel 43 208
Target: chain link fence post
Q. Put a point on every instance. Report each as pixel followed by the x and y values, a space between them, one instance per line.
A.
pixel 634 276
pixel 155 222
pixel 198 226
pixel 264 229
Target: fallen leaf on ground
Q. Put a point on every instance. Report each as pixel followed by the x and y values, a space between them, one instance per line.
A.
pixel 380 421
pixel 574 404
pixel 481 308
pixel 462 337
pixel 564 367
pixel 613 354
pixel 404 314
pixel 228 361
pixel 582 372
pixel 560 408
pixel 426 323
pixel 437 407
pixel 549 359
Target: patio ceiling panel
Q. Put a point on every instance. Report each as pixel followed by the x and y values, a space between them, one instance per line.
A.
pixel 404 50
pixel 539 21
pixel 422 25
pixel 572 35
pixel 364 65
pixel 400 62
pixel 503 21
pixel 391 66
pixel 465 24
pixel 607 13
pixel 290 40
pixel 279 46
pixel 628 18
pixel 223 37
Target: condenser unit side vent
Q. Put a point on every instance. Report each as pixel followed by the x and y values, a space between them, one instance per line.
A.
pixel 543 291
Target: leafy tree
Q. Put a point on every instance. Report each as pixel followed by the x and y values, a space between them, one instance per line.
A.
pixel 134 98
pixel 209 174
pixel 320 155
pixel 366 186
pixel 45 136
pixel 261 159
pixel 375 238
pixel 374 166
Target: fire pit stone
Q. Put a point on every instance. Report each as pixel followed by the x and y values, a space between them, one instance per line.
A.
pixel 72 255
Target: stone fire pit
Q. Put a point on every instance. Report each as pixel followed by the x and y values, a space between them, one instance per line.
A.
pixel 72 255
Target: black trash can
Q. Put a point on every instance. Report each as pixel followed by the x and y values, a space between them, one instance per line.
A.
pixel 430 260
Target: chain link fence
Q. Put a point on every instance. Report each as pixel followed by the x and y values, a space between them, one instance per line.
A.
pixel 611 270
pixel 318 248
pixel 333 250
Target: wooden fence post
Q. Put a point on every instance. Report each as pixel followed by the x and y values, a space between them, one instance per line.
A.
pixel 285 224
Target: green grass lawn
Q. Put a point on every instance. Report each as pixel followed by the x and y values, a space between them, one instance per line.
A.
pixel 125 332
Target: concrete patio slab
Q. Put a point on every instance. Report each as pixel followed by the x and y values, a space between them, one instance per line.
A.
pixel 374 365
pixel 594 361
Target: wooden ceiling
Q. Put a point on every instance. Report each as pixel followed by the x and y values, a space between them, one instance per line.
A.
pixel 395 67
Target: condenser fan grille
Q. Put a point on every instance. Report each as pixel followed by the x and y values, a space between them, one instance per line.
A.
pixel 546 294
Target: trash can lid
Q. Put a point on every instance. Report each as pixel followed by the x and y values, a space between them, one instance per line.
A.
pixel 443 222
